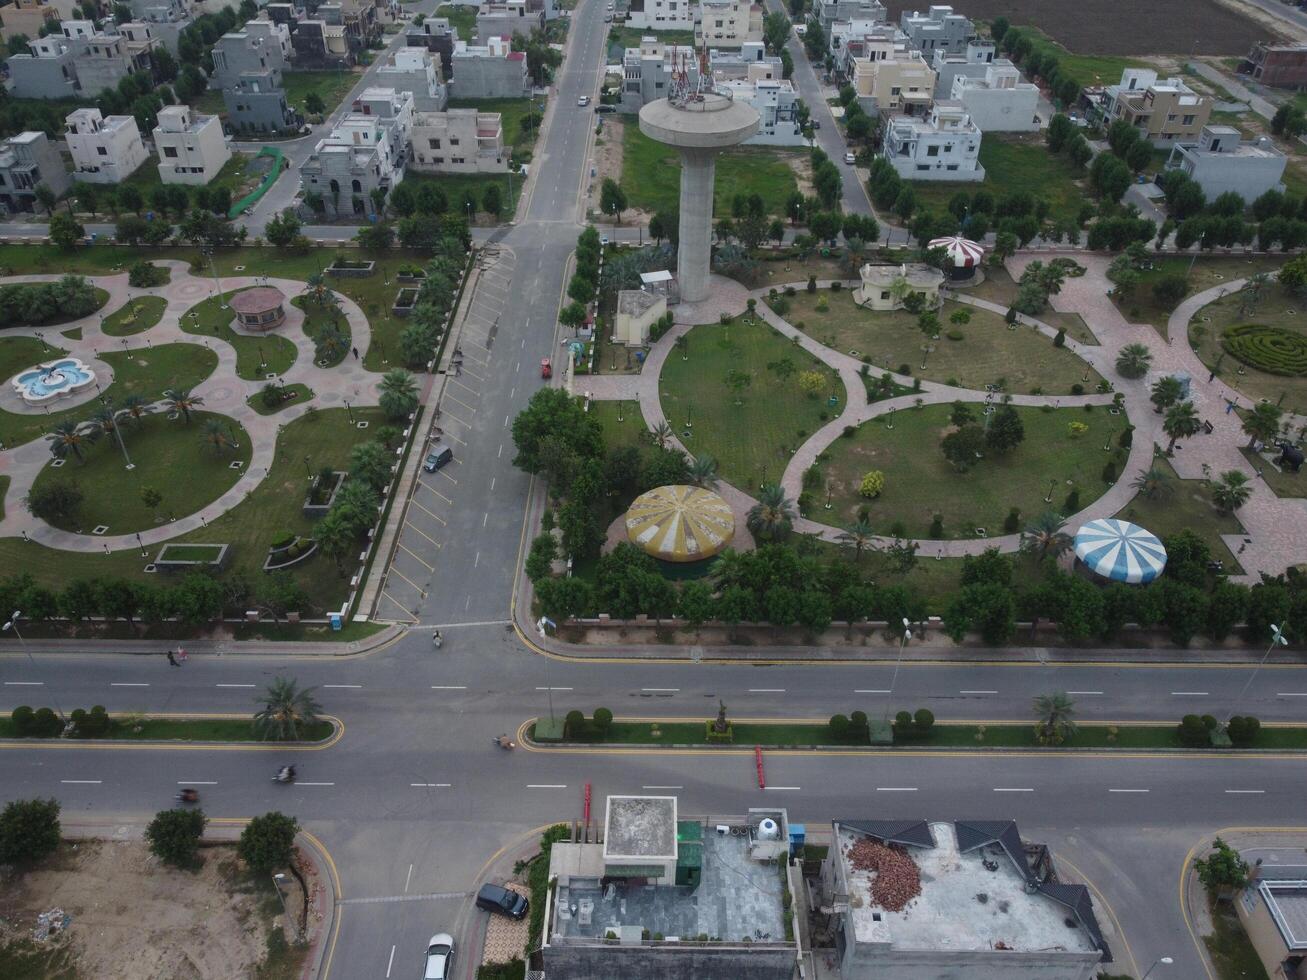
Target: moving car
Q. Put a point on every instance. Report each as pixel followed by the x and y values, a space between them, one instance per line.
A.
pixel 439 455
pixel 501 901
pixel 583 100
pixel 440 957
pixel 850 157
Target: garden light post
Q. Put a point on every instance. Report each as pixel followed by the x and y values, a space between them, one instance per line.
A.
pixel 1277 640
pixel 350 412
pixel 22 645
pixel 1048 499
pixel 925 352
pixel 119 436
pixel 307 472
pixel 207 252
pixel 1164 960
pixel 1201 239
pixel 277 879
pixel 144 553
pixel 903 640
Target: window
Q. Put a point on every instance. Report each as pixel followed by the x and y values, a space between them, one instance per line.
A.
pixel 884 294
pixel 1188 120
pixel 923 166
pixel 895 90
pixel 932 151
pixel 434 144
pixel 453 141
pixel 102 151
pixel 951 166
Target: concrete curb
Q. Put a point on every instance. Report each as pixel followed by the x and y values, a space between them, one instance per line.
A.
pixel 207 647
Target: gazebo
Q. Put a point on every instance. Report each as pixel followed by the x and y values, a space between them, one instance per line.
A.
pixel 260 308
pixel 1120 551
pixel 965 255
pixel 680 523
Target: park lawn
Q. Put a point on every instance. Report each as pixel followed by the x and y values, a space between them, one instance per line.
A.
pixel 461 16
pixel 1208 271
pixel 169 456
pixel 512 113
pixel 232 176
pixel 628 432
pixel 210 103
pixel 1023 359
pixel 920 482
pixel 148 373
pixel 1281 308
pixel 135 316
pixel 459 188
pixel 315 317
pixel 299 393
pixel 1283 483
pixel 1013 164
pixel 651 174
pixel 752 441
pixel 17 353
pixel 998 287
pixel 333 86
pixel 1187 507
pixel 256 356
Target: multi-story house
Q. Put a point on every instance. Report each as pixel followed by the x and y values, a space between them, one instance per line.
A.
pixel 776 102
pixel 1164 111
pixel 750 61
pixel 320 44
pixel 893 81
pixel 727 23
pixel 827 12
pixel 28 161
pixel 849 39
pixel 939 29
pixel 488 71
pixel 102 60
pixel 395 110
pixel 661 15
pixel 999 102
pixel 497 18
pixel 1221 161
pixel 346 167
pixel 437 36
pixel 1281 65
pixel 459 141
pixel 416 71
pixel 259 46
pixel 973 63
pixel 48 72
pixel 256 103
pixel 647 71
pixel 27 17
pixel 167 19
pixel 105 149
pixel 942 146
pixel 192 148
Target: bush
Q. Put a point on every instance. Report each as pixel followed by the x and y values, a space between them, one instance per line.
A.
pixel 574 723
pixel 174 836
pixel 268 842
pixel 1077 389
pixel 812 284
pixel 143 275
pixel 1193 733
pixel 836 286
pixel 936 527
pixel 1012 523
pixel 1072 503
pixel 603 720
pixel 924 720
pixel 22 717
pixel 955 335
pixel 29 831
pixel 1059 339
pixel 46 724
pixel 839 726
pixel 873 483
pixel 270 395
pixel 1274 350
pixel 1109 472
pixel 1243 730
pixel 858 721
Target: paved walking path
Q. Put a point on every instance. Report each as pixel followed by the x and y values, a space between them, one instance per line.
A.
pixel 222 392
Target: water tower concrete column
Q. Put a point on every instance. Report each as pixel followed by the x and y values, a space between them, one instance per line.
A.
pixel 698 174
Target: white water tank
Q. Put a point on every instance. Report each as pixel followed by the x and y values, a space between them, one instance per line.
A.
pixel 768 829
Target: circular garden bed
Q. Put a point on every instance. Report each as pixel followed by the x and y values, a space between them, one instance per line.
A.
pixel 1274 350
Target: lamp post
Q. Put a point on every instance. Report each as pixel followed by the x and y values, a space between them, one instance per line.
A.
pixel 1048 499
pixel 349 412
pixel 207 252
pixel 141 544
pixel 277 879
pixel 307 472
pixel 903 640
pixel 119 436
pixel 1164 960
pixel 22 645
pixel 1277 640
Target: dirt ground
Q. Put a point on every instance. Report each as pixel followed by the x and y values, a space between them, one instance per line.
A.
pixel 134 918
pixel 1107 27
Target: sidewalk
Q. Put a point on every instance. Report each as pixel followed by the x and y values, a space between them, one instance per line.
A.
pixel 207 646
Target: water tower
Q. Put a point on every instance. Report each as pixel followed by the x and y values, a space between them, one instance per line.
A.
pixel 699 122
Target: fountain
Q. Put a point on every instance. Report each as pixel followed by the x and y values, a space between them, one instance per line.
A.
pixel 54 379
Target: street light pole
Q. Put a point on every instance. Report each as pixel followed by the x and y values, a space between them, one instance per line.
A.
pixel 277 879
pixel 907 635
pixel 22 645
pixel 1166 960
pixel 1277 640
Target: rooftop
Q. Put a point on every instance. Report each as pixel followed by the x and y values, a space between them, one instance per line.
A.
pixel 260 299
pixel 1284 889
pixel 916 273
pixel 635 301
pixel 640 827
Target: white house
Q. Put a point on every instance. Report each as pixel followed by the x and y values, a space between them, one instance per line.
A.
pixel 1221 161
pixel 192 148
pixel 105 150
pixel 459 141
pixel 776 102
pixel 661 15
pixel 727 23
pixel 942 146
pixel 999 102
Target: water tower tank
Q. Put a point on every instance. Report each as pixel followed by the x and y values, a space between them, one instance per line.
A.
pixel 768 829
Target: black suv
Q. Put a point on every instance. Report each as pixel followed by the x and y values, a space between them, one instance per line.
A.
pixel 493 898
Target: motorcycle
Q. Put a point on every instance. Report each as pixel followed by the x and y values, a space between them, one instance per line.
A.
pixel 504 742
pixel 188 795
pixel 286 774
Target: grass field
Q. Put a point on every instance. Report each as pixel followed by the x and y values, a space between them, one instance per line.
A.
pixel 135 316
pixel 17 353
pixel 1013 164
pixel 315 317
pixel 148 373
pixel 998 287
pixel 1187 507
pixel 1232 952
pixel 628 432
pixel 1281 308
pixel 989 352
pixel 168 456
pixel 1208 271
pixel 920 482
pixel 333 86
pixel 751 441
pixel 1283 483
pixel 302 394
pixel 629 37
pixel 255 356
pixel 460 16
pixel 651 174
pixel 232 176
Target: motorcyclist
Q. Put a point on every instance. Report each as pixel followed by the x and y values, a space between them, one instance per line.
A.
pixel 437 640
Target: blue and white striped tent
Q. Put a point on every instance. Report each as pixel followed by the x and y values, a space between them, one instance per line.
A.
pixel 1120 551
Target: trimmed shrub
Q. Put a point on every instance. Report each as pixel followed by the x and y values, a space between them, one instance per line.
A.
pixel 1193 733
pixel 1243 730
pixel 858 721
pixel 603 720
pixel 46 724
pixel 1059 339
pixel 23 719
pixel 924 720
pixel 1270 349
pixel 1012 523
pixel 574 723
pixel 873 483
pixel 839 726
pixel 936 527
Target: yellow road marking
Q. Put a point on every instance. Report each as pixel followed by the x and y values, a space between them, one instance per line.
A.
pixel 407 612
pixel 1102 900
pixel 417 530
pixel 429 568
pixel 429 513
pixel 408 580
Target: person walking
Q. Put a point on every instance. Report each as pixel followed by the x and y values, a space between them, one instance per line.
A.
pixel 172 660
pixel 356 353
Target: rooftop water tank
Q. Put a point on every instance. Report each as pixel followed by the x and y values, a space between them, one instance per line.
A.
pixel 768 829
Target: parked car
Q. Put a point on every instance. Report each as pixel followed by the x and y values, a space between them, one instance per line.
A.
pixel 501 901
pixel 850 158
pixel 440 957
pixel 438 456
pixel 605 108
pixel 583 100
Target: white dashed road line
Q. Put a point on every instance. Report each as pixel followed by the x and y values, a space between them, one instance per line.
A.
pixel 1246 791
pixel 24 683
pixel 1014 789
pixel 896 789
pixel 1188 694
pixel 235 685
pixel 81 782
pixel 546 785
pixel 1127 791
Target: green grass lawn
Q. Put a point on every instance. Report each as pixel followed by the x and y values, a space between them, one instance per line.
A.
pixel 628 432
pixel 1281 308
pixel 147 373
pixel 189 730
pixel 1208 271
pixel 255 356
pixel 1023 358
pixel 1187 507
pixel 333 86
pixel 1232 952
pixel 460 16
pixel 752 441
pixel 1283 483
pixel 920 482
pixel 1013 164
pixel 17 353
pixel 136 316
pixel 302 393
pixel 998 287
pixel 232 176
pixel 315 317
pixel 1085 69
pixel 168 456
pixel 651 174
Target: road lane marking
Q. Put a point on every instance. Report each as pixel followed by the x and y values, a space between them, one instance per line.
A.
pixel 660 688
pixel 314 784
pixel 1291 694
pixel 1127 791
pixel 197 782
pixel 896 789
pixel 766 690
pixel 778 789
pixel 234 685
pixel 977 692
pixel 390 962
pixel 426 786
pixel 662 787
pixel 553 688
pixel 127 684
pixel 546 785
pixel 1254 791
pixel 871 690
pixel 1188 694
pixel 81 782
pixel 449 687
pixel 1083 693
pixel 24 683
pixel 408 878
pixel 343 685
pixel 1014 789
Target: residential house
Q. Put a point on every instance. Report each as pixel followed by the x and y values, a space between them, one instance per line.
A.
pixel 1273 911
pixel 776 102
pixel 141 43
pixel 945 145
pixel 105 150
pixel 647 71
pixel 1164 111
pixel 497 18
pixel 488 71
pixel 192 148
pixel 416 71
pixel 28 161
pixel 359 18
pixel 459 141
pixel 752 56
pixel 893 80
pixel 48 72
pixel 973 63
pixel 258 47
pixel 666 896
pixel 964 899
pixel 320 44
pixel 1279 65
pixel 27 17
pixel 437 36
pixel 939 29
pixel 256 103
pixel 1221 161
pixel 167 19
pixel 101 59
pixel 395 110
pixel 661 15
pixel 727 23
pixel 828 12
pixel 850 39
pixel 347 166
pixel 999 102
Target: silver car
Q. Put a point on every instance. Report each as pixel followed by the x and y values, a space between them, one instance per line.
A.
pixel 440 957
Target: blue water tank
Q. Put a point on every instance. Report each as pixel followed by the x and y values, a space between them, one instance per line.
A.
pixel 798 834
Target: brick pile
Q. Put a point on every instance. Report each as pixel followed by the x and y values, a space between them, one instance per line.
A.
pixel 898 879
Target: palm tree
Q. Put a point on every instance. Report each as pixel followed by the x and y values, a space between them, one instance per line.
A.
pixel 68 437
pixel 135 408
pixel 105 421
pixel 286 709
pixel 702 470
pixel 1153 482
pixel 329 344
pixel 728 569
pixel 1044 536
pixel 1262 423
pixel 859 535
pixel 772 517
pixel 661 434
pixel 1231 491
pixel 1181 422
pixel 1166 392
pixel 1254 289
pixel 217 435
pixel 1133 361
pixel 399 393
pixel 1054 717
pixel 181 400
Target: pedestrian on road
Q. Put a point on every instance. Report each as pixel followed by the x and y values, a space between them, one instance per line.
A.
pixel 172 660
pixel 356 353
pixel 181 654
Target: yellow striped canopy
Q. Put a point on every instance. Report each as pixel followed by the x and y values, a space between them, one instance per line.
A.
pixel 680 523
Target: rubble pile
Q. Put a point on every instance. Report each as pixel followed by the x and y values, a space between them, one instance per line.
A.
pixel 897 881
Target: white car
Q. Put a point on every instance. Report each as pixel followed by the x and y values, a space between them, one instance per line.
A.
pixel 850 158
pixel 440 957
pixel 583 101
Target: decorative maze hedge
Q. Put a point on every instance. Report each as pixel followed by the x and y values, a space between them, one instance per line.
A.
pixel 1271 349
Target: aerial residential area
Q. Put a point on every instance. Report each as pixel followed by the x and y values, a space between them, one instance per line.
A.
pixel 663 489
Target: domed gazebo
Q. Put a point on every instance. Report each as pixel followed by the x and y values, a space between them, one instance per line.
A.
pixel 966 256
pixel 260 308
pixel 680 523
pixel 1120 551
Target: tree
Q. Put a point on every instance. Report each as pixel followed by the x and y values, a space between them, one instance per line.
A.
pixel 860 535
pixel 268 842
pixel 1153 482
pixel 330 344
pixel 612 199
pixel 1166 392
pixel 283 230
pixel 1044 536
pixel 1060 130
pixel 1123 273
pixel 217 435
pixel 287 710
pixel 1231 491
pixel 181 400
pixel 1054 717
pixel 492 201
pixel 174 836
pixel 45 197
pixel 29 831
pixel 370 463
pixel 1181 422
pixel 69 437
pixel 1133 361
pixel 737 381
pixel 702 470
pixel 962 446
pixel 313 104
pixel 1262 424
pixel 1223 869
pixel 399 394
pixel 987 607
pixel 772 517
pixel 1006 430
pixel 65 231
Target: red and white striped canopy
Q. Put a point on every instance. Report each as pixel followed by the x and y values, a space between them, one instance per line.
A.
pixel 963 251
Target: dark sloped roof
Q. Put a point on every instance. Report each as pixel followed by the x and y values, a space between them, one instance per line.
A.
pixel 1076 898
pixel 977 833
pixel 909 833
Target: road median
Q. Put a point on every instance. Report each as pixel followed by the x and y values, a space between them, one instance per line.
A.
pixel 143 731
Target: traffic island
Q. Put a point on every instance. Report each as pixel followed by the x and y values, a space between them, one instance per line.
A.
pixel 27 727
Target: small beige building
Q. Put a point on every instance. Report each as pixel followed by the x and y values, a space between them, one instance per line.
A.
pixel 458 141
pixel 1164 110
pixel 637 312
pixel 885 287
pixel 192 148
pixel 896 81
pixel 1273 910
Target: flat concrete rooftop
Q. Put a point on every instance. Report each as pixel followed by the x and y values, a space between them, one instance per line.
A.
pixel 640 827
